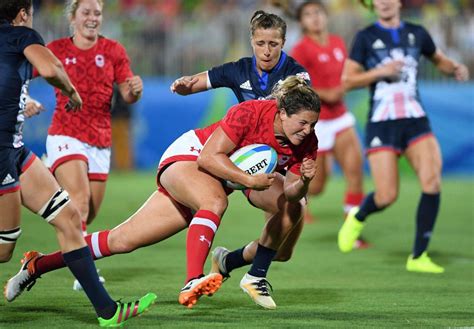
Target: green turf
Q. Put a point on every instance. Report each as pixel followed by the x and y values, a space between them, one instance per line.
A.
pixel 319 287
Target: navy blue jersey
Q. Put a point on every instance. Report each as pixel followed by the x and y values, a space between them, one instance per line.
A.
pixel 15 75
pixel 243 78
pixel 375 46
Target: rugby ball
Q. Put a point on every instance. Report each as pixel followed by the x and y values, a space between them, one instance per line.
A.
pixel 253 159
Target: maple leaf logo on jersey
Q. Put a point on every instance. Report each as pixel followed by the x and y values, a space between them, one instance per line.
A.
pixel 100 60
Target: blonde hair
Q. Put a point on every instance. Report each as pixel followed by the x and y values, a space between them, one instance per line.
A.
pixel 294 95
pixel 72 5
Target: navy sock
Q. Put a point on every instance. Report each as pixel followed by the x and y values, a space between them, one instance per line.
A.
pixel 425 220
pixel 367 207
pixel 262 261
pixel 80 263
pixel 235 259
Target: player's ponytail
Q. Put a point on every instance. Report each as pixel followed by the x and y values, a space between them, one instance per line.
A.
pixel 293 95
pixel 263 20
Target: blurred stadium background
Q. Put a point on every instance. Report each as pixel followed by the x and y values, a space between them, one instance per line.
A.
pixel 320 287
pixel 170 38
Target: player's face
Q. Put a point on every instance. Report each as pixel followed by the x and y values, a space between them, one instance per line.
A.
pixel 314 19
pixel 387 9
pixel 267 45
pixel 298 126
pixel 87 19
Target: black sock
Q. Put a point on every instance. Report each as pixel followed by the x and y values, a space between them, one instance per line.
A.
pixel 425 220
pixel 80 263
pixel 235 259
pixel 261 262
pixel 367 207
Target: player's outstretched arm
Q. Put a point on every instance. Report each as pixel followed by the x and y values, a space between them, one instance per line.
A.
pixel 187 85
pixel 449 66
pixel 52 70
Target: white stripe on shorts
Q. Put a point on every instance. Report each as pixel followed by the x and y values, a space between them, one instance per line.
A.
pixel 204 221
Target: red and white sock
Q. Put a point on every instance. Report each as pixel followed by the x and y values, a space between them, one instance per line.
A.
pixel 97 243
pixel 201 233
pixel 352 200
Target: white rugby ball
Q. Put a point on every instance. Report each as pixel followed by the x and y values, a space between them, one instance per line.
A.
pixel 253 159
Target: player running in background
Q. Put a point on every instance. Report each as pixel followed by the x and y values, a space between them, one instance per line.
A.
pixel 79 144
pixel 385 56
pixel 323 55
pixel 24 178
pixel 191 193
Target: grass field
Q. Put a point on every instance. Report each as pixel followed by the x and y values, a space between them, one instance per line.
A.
pixel 319 287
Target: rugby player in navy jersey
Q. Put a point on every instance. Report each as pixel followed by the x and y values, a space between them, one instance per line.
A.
pixel 385 57
pixel 23 177
pixel 251 78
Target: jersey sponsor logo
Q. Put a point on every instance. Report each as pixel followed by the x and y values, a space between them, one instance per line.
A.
pixel 323 58
pixel 375 142
pixel 8 180
pixel 100 60
pixel 303 75
pixel 338 54
pixel 378 44
pixel 71 60
pixel 246 85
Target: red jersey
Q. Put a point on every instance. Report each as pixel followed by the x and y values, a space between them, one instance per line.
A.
pixel 324 65
pixel 251 122
pixel 93 73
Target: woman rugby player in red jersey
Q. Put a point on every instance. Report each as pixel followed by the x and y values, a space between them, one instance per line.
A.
pixel 323 55
pixel 24 178
pixel 79 144
pixel 191 193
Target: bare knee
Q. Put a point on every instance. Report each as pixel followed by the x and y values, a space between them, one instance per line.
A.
pixel 82 203
pixel 217 205
pixel 68 222
pixel 431 182
pixel 385 198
